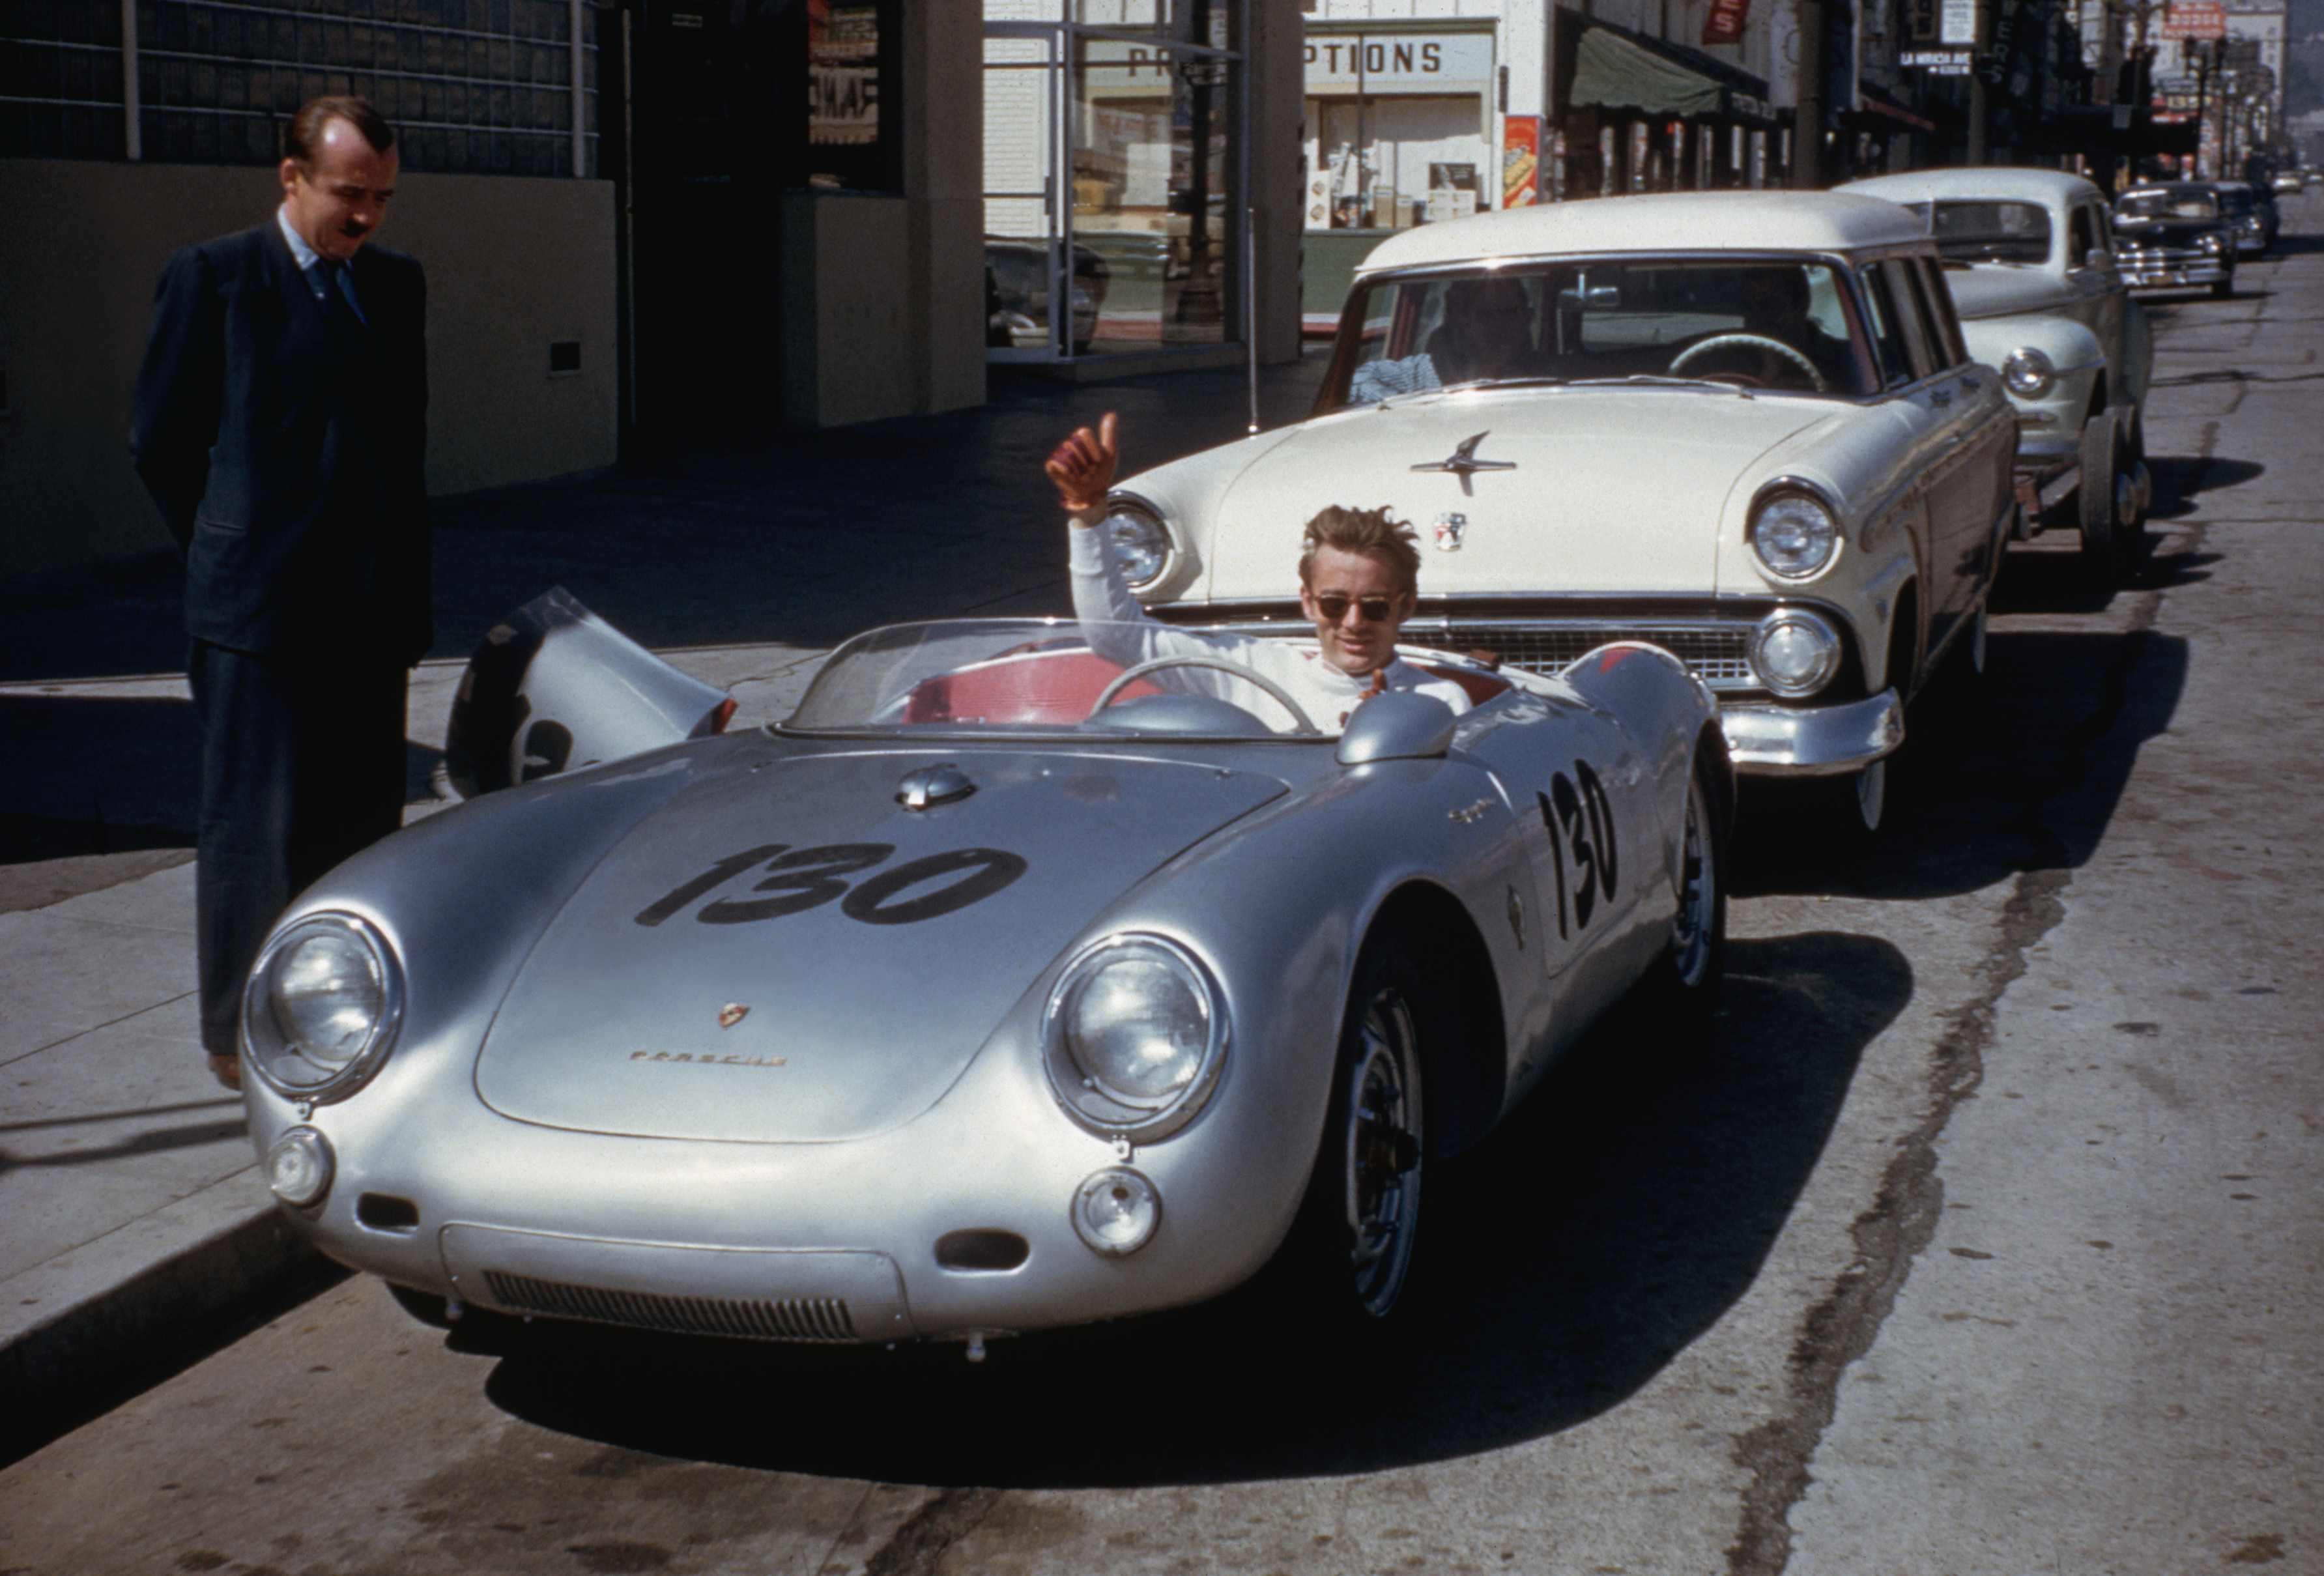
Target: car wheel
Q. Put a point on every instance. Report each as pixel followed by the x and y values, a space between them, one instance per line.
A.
pixel 2097 499
pixel 1683 986
pixel 1354 1249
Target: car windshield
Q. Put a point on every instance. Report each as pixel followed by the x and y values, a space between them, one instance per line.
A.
pixel 1988 232
pixel 1774 323
pixel 1013 677
pixel 2167 205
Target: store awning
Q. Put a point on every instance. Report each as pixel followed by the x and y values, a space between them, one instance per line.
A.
pixel 1617 68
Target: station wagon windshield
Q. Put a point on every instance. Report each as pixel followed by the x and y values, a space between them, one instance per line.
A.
pixel 1755 323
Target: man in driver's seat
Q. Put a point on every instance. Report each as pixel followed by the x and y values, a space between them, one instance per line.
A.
pixel 1357 578
pixel 1775 302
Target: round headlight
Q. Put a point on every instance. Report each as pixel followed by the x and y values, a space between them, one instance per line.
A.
pixel 2028 372
pixel 1135 1033
pixel 1141 542
pixel 298 1167
pixel 1115 1211
pixel 1793 536
pixel 322 1007
pixel 1794 652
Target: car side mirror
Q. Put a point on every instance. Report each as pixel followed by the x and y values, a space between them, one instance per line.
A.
pixel 1397 725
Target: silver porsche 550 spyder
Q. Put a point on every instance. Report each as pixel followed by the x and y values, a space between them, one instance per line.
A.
pixel 998 988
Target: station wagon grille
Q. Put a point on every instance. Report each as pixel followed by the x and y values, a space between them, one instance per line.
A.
pixel 1720 655
pixel 1718 651
pixel 784 1318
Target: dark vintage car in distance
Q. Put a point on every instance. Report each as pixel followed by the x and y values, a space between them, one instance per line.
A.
pixel 2250 211
pixel 2172 236
pixel 1017 289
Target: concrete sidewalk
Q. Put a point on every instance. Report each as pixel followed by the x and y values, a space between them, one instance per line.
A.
pixel 133 1225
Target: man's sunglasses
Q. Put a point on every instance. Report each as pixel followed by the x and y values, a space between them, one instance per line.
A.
pixel 1334 606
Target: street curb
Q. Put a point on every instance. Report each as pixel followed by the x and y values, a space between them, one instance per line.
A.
pixel 75 1364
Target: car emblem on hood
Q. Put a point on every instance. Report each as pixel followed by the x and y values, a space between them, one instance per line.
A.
pixel 1450 530
pixel 732 1013
pixel 1463 463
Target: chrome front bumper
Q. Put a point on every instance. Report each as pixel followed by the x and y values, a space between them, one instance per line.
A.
pixel 1772 741
pixel 2175 270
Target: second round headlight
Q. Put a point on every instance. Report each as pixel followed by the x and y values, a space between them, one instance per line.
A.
pixel 1135 1035
pixel 1793 536
pixel 1794 652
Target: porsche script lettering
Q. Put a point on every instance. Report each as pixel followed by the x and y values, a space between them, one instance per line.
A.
pixel 706 1059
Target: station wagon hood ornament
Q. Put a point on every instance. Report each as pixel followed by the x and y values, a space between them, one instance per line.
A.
pixel 1463 463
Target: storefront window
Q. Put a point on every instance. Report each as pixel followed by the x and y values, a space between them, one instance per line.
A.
pixel 1401 128
pixel 1111 172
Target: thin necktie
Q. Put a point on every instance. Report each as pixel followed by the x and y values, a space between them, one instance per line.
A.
pixel 335 295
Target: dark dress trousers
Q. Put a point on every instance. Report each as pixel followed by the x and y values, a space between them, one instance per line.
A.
pixel 281 437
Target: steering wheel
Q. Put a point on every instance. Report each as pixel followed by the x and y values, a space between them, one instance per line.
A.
pixel 1759 342
pixel 1131 674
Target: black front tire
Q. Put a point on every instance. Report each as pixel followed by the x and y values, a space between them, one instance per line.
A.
pixel 2102 532
pixel 1351 1266
pixel 1683 985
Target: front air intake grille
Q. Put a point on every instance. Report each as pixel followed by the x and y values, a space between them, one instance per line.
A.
pixel 784 1319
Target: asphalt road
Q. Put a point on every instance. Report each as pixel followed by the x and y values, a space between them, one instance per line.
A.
pixel 1984 1240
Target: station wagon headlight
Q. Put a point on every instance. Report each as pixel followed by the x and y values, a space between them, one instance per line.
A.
pixel 1794 652
pixel 1141 542
pixel 1134 1035
pixel 322 1007
pixel 2028 372
pixel 1792 535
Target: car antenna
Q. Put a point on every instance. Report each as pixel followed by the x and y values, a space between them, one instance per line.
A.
pixel 1250 306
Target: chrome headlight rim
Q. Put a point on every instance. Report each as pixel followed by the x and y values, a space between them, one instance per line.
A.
pixel 1787 490
pixel 270 1052
pixel 1143 538
pixel 1785 621
pixel 1108 1110
pixel 2029 372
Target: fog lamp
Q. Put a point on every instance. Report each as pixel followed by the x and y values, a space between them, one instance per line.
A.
pixel 298 1167
pixel 1116 1211
pixel 1794 652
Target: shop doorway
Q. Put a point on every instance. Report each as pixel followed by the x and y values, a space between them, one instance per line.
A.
pixel 1113 174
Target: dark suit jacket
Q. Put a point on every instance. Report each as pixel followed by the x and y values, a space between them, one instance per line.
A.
pixel 285 452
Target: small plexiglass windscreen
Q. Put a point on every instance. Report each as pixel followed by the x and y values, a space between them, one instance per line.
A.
pixel 986 676
pixel 1787 324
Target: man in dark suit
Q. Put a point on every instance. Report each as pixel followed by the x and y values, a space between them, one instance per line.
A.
pixel 280 417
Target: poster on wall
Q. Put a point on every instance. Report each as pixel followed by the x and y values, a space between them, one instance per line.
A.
pixel 843 75
pixel 1520 160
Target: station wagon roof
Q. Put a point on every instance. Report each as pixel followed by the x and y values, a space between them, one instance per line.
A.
pixel 1992 183
pixel 1678 221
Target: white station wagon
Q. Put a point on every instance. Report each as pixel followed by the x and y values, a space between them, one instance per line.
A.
pixel 1742 425
pixel 2029 255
